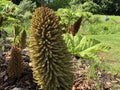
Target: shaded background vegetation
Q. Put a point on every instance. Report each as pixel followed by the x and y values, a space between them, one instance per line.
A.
pixel 109 7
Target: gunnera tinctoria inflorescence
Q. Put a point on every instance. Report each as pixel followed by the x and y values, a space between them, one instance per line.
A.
pixel 15 66
pixel 51 62
pixel 22 42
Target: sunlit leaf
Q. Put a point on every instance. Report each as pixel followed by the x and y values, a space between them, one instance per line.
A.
pixel 84 46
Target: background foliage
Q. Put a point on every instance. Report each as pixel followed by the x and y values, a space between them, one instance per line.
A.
pixel 109 7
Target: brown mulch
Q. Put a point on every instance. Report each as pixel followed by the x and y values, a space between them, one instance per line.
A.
pixel 103 80
pixel 26 81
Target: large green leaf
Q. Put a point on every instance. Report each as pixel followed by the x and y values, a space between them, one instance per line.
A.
pixel 84 46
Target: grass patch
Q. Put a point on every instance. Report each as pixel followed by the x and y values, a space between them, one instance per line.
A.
pixel 112 58
pixel 98 25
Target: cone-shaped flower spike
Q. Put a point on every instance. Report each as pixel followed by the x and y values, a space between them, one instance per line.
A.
pixel 51 61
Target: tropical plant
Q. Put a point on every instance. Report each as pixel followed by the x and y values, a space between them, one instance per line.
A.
pixel 22 42
pixel 15 66
pixel 20 36
pixel 25 6
pixel 84 46
pixel 23 12
pixel 51 61
pixel 20 14
pixel 3 33
pixel 6 13
pixel 75 27
pixel 69 16
pixel 17 30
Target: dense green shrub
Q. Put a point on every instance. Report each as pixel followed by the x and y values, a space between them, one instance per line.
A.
pixel 91 7
pixel 51 61
pixel 108 7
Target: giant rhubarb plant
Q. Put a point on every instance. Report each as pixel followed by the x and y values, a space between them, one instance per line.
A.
pixel 51 61
pixel 84 46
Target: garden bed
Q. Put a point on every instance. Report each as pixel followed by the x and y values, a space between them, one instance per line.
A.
pixel 103 80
